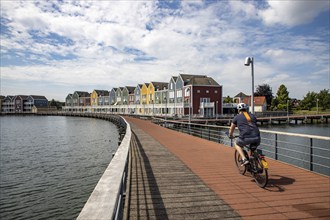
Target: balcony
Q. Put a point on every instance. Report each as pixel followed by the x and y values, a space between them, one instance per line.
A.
pixel 207 105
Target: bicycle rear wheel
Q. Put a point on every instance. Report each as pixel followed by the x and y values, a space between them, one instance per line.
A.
pixel 238 161
pixel 260 174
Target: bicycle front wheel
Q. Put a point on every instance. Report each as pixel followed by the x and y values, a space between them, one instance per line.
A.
pixel 260 174
pixel 238 161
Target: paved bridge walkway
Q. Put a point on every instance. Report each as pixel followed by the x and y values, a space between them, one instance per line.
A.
pixel 178 176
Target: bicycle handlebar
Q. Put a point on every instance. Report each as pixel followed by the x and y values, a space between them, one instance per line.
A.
pixel 231 137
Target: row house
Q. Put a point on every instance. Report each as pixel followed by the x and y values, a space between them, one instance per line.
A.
pixel 35 101
pixel 23 103
pixel 137 94
pixel 81 99
pixel 182 95
pixel 69 100
pixel 100 98
pixel 2 98
pixel 8 104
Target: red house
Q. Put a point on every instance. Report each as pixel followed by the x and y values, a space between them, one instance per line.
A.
pixel 204 95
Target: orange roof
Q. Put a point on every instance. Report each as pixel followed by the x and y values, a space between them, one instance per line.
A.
pixel 258 100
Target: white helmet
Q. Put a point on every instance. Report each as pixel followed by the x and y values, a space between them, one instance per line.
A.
pixel 241 106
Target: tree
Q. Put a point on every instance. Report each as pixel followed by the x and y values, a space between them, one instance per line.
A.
pixel 282 97
pixel 57 104
pixel 309 101
pixel 265 90
pixel 227 100
pixel 324 99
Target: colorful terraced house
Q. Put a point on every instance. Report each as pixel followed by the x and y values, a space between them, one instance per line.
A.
pixel 185 94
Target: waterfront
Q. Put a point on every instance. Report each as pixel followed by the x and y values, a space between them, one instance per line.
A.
pixel 311 129
pixel 50 165
pixel 306 152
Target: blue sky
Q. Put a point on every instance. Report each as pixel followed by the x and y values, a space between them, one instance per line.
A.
pixel 53 48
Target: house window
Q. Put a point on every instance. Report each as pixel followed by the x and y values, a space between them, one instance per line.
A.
pixel 204 100
pixel 198 91
pixel 216 91
pixel 179 93
pixel 207 91
pixel 171 95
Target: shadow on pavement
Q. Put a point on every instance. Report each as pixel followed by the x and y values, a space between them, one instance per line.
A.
pixel 276 183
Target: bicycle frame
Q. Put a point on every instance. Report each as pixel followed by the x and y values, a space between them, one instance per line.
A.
pixel 258 166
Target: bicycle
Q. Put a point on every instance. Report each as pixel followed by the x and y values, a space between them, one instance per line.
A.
pixel 258 166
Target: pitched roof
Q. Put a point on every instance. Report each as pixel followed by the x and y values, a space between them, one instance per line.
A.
pixel 9 97
pixel 160 85
pixel 203 80
pixel 258 100
pixel 69 96
pixel 240 95
pixel 102 92
pixel 174 78
pixel 38 97
pixel 188 77
pixel 24 97
pixel 82 94
pixel 130 89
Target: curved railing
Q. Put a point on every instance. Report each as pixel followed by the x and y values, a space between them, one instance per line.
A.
pixel 106 200
pixel 310 152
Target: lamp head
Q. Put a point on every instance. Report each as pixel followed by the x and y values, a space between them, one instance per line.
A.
pixel 248 60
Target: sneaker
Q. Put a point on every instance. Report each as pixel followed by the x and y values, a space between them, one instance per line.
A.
pixel 244 162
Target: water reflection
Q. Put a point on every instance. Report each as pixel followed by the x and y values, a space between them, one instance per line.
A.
pixel 50 165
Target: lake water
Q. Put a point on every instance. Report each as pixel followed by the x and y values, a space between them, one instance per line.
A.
pixel 50 165
pixel 312 129
pixel 297 150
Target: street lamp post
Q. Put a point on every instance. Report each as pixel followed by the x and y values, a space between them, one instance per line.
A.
pixel 165 99
pixel 153 107
pixel 248 61
pixel 216 110
pixel 189 103
pixel 287 109
pixel 317 106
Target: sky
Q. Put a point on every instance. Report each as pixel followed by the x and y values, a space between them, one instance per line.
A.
pixel 54 48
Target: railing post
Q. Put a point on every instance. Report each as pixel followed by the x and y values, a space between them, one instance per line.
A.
pixel 311 155
pixel 209 133
pixel 276 157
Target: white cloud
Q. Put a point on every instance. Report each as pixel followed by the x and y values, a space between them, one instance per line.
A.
pixel 293 13
pixel 195 38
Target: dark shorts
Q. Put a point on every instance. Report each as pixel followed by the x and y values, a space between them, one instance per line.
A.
pixel 246 141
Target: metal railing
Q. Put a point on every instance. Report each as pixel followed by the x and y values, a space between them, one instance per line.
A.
pixel 310 152
pixel 107 198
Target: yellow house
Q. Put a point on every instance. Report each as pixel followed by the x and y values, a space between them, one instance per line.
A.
pixel 151 94
pixel 144 93
pixel 143 100
pixel 94 98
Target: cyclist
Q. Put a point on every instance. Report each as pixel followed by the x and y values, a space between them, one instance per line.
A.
pixel 248 130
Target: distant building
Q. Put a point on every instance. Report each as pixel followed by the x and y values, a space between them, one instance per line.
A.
pixel 8 104
pixel 69 100
pixel 2 98
pixel 36 101
pixel 23 103
pixel 19 102
pixel 81 98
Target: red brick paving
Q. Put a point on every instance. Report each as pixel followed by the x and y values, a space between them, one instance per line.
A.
pixel 292 193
